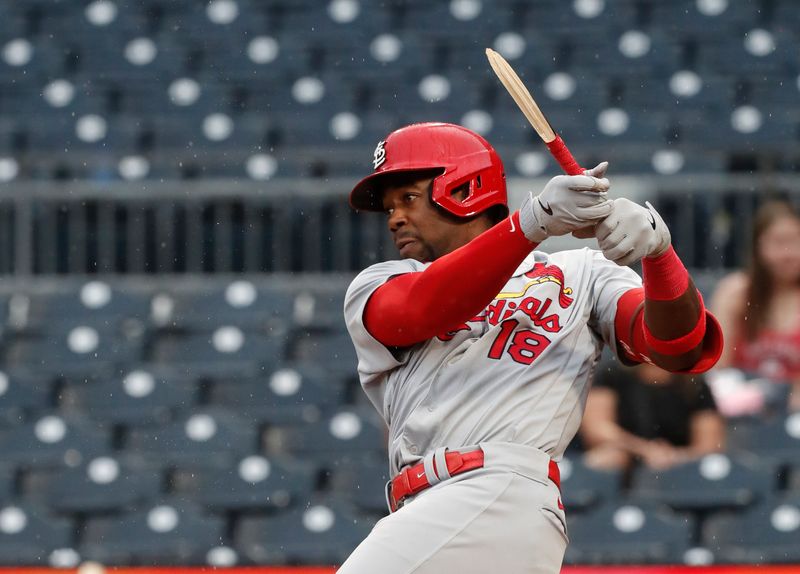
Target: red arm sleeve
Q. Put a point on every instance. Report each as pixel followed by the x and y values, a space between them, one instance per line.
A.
pixel 414 307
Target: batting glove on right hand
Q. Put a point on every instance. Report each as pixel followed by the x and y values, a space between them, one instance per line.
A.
pixel 567 203
pixel 632 232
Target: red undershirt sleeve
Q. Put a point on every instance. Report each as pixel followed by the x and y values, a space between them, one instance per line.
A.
pixel 415 307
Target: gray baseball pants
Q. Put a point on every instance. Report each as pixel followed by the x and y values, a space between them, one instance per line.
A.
pixel 503 518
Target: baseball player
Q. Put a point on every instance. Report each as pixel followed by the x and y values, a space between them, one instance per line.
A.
pixel 477 348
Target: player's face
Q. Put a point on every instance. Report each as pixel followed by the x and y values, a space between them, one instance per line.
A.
pixel 421 231
pixel 779 249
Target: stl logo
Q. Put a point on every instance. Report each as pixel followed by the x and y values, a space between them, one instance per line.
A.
pixel 379 156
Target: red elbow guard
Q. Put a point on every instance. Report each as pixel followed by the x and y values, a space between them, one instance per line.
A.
pixel 682 344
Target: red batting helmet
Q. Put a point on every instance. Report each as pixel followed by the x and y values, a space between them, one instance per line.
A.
pixel 463 157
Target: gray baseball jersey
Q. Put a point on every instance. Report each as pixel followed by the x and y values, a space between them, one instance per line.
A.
pixel 517 372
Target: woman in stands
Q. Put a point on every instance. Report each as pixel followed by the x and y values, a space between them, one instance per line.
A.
pixel 646 415
pixel 759 310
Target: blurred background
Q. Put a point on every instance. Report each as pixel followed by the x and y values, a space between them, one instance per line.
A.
pixel 176 383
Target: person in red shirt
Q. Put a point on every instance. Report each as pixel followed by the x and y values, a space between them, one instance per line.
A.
pixel 759 311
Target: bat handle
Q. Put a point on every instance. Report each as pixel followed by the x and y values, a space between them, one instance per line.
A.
pixel 564 157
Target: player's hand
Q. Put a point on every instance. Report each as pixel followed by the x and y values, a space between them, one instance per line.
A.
pixel 567 203
pixel 631 232
pixel 597 171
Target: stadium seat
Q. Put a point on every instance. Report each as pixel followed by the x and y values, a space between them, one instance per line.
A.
pixel 227 350
pixel 215 26
pixel 239 303
pixel 7 486
pixel 253 483
pixel 583 487
pixel 622 532
pixel 165 532
pixel 29 535
pixel 361 480
pixel 80 349
pixel 134 398
pixel 51 441
pixel 333 351
pixel 100 485
pixel 776 440
pixel 764 534
pixel 582 21
pixel 94 301
pixel 206 438
pixel 285 396
pixel 712 482
pixel 319 309
pixel 22 395
pixel 330 21
pixel 315 533
pixel 345 434
pixel 707 21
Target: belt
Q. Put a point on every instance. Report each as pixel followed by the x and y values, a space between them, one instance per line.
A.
pixel 417 478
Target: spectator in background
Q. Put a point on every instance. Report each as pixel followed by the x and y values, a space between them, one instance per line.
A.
pixel 759 311
pixel 646 414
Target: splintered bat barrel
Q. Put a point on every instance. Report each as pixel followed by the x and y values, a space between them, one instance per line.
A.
pixel 527 105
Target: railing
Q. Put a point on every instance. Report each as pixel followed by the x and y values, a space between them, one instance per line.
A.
pixel 304 226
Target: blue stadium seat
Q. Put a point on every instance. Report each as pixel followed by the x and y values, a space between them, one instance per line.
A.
pixel 776 440
pixel 316 533
pixel 645 93
pixel 61 133
pixel 110 58
pixel 348 433
pixel 323 20
pixel 227 350
pixel 165 532
pixel 172 99
pixel 334 351
pixel 239 303
pixel 362 480
pixel 46 62
pixel 254 483
pixel 193 24
pixel 137 397
pixel 51 442
pixel 29 534
pixel 7 484
pixel 96 302
pixel 184 135
pixel 685 17
pixel 22 395
pixel 81 349
pixel 714 481
pixel 764 534
pixel 284 396
pixel 729 56
pixel 206 438
pixel 658 54
pixel 102 484
pixel 320 309
pixel 583 487
pixel 552 17
pixel 625 533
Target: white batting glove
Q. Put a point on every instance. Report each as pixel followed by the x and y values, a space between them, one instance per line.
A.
pixel 567 203
pixel 632 232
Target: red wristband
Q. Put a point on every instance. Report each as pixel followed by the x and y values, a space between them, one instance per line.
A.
pixel 664 277
pixel 680 345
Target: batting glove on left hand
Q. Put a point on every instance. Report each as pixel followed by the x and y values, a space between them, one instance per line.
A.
pixel 631 232
pixel 567 203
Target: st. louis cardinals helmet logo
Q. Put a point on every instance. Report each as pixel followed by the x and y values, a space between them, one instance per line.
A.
pixel 379 156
